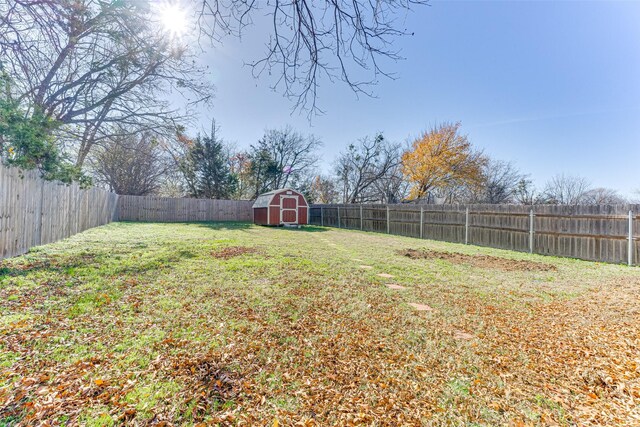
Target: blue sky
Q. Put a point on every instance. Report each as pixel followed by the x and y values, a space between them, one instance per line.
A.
pixel 552 86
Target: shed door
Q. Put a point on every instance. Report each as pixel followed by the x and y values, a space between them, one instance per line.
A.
pixel 289 209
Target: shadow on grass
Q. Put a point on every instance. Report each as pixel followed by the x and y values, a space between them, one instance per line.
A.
pixel 214 225
pixel 307 229
pixel 7 270
pixel 108 263
pixel 223 225
pixel 246 225
pixel 46 263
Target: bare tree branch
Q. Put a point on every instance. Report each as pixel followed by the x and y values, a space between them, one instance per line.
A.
pixel 312 40
pixel 566 190
pixel 363 166
pixel 130 164
pixel 89 64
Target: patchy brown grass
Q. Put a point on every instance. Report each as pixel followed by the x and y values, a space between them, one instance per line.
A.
pixel 232 251
pixel 480 261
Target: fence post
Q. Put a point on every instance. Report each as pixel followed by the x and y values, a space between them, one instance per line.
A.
pixel 360 217
pixel 531 230
pixel 322 216
pixel 39 216
pixel 339 217
pixel 466 226
pixel 630 254
pixel 388 221
pixel 421 221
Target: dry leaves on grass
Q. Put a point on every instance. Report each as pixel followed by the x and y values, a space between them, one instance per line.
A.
pixel 573 367
pixel 307 353
pixel 578 360
pixel 311 376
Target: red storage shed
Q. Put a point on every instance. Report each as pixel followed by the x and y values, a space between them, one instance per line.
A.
pixel 280 207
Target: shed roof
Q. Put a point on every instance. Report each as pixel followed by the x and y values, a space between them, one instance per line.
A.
pixel 264 199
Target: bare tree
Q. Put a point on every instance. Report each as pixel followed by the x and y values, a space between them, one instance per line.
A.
pixel 566 190
pixel 500 183
pixel 130 164
pixel 391 187
pixel 311 40
pixel 89 64
pixel 525 193
pixel 283 157
pixel 603 196
pixel 361 167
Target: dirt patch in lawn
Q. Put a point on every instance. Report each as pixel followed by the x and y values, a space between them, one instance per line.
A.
pixel 481 261
pixel 232 252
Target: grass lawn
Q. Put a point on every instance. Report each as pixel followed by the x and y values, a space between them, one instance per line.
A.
pixel 232 324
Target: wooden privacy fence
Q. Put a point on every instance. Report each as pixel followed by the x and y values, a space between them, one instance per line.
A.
pixel 35 212
pixel 607 233
pixel 165 209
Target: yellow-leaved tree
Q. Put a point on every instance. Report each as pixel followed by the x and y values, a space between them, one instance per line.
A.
pixel 442 161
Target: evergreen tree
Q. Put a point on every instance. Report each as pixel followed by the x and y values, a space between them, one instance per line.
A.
pixel 206 168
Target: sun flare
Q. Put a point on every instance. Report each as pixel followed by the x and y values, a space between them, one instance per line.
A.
pixel 173 18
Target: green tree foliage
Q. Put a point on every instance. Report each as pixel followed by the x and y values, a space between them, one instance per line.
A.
pixel 26 141
pixel 264 171
pixel 205 168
